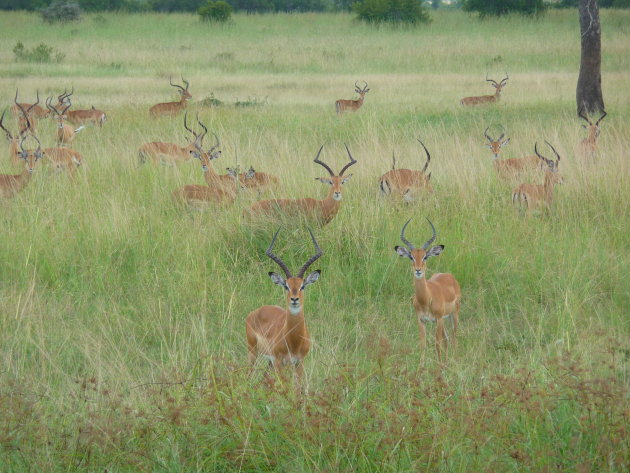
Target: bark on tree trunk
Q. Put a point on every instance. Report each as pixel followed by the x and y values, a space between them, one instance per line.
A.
pixel 589 86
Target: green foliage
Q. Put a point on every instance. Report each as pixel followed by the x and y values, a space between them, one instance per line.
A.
pixel 41 53
pixel 211 101
pixel 487 8
pixel 602 4
pixel 61 11
pixel 391 11
pixel 215 11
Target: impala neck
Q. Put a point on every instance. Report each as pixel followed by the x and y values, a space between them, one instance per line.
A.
pixel 497 94
pixel 421 289
pixel 549 183
pixel 295 328
pixel 329 206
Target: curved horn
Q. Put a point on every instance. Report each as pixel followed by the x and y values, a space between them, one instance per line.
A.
pixel 426 165
pixel 485 133
pixel 186 125
pixel 432 239
pixel 581 115
pixel 548 162
pixel 170 81
pixel 407 243
pixel 554 151
pixel 356 85
pixel 393 160
pixel 205 131
pixel 34 105
pixel 39 144
pixel 275 258
pixel 217 144
pixel 600 119
pixel 185 82
pixel 50 106
pixel 9 135
pixel 321 163
pixel 19 106
pixel 490 80
pixel 22 144
pixel 69 102
pixel 352 161
pixel 313 258
pixel 503 81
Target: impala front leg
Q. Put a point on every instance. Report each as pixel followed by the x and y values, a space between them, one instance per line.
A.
pixel 423 332
pixel 441 340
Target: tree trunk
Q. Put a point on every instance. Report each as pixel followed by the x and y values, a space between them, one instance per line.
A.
pixel 589 86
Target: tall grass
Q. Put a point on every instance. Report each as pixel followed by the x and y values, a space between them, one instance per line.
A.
pixel 122 326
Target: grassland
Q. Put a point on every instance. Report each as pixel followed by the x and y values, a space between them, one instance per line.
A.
pixel 122 315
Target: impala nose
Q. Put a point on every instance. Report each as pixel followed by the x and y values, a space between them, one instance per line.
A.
pixel 337 195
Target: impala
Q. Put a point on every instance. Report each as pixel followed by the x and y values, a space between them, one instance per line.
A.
pixel 26 118
pixel 589 144
pixel 82 117
pixel 252 179
pixel 279 334
pixel 436 298
pixel 406 182
pixel 321 211
pixel 11 184
pixel 172 108
pixel 512 168
pixel 487 98
pixel 14 141
pixel 63 159
pixel 65 133
pixel 533 196
pixel 34 110
pixel 352 105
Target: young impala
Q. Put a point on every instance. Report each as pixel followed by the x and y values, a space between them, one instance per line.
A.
pixel 65 133
pixel 533 196
pixel 279 334
pixel 172 108
pixel 589 144
pixel 434 299
pixel 14 141
pixel 319 211
pixel 406 183
pixel 11 184
pixel 254 180
pixel 482 99
pixel 512 168
pixel 352 105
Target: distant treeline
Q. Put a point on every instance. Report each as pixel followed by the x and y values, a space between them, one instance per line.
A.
pixel 252 6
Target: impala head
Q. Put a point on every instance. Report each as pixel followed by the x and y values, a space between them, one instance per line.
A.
pixel 29 156
pixel 552 165
pixel 24 123
pixel 418 256
pixel 183 92
pixel 335 181
pixel 498 85
pixel 294 285
pixel 197 152
pixel 593 128
pixel 495 145
pixel 361 90
pixel 60 116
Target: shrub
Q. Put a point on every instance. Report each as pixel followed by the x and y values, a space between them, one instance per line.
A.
pixel 219 11
pixel 391 11
pixel 503 7
pixel 41 53
pixel 61 11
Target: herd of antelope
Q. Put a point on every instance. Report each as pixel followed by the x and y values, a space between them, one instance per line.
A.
pixel 276 333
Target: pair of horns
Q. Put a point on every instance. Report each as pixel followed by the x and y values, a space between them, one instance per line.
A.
pixel 330 171
pixel 582 115
pixel 503 81
pixel 199 137
pixel 489 138
pixel 549 162
pixel 426 165
pixel 170 80
pixel 410 245
pixel 285 268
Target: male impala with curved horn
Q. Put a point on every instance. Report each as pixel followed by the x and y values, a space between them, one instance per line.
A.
pixel 352 105
pixel 65 133
pixel 434 299
pixel 509 169
pixel 11 184
pixel 172 108
pixel 321 211
pixel 532 196
pixel 279 333
pixel 34 110
pixel 406 183
pixel 589 144
pixel 482 99
pixel 26 118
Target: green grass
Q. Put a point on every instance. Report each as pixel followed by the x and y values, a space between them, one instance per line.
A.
pixel 122 325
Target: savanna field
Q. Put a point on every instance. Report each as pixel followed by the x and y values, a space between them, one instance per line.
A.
pixel 122 323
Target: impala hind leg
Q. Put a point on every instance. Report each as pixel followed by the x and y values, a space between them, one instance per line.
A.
pixel 455 324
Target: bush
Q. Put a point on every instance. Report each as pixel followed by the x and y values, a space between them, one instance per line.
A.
pixel 503 7
pixel 219 11
pixel 61 11
pixel 41 53
pixel 391 11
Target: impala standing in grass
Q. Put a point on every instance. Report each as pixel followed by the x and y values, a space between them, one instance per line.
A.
pixel 532 196
pixel 406 183
pixel 589 144
pixel 172 108
pixel 279 334
pixel 352 105
pixel 65 133
pixel 321 211
pixel 434 299
pixel 512 168
pixel 483 99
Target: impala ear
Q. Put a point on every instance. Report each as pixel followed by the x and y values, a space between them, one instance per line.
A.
pixel 402 251
pixel 346 178
pixel 311 278
pixel 435 251
pixel 278 279
pixel 324 180
pixel 505 142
